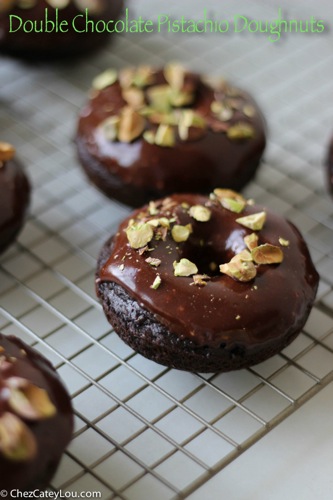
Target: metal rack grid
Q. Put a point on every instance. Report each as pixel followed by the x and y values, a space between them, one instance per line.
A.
pixel 142 430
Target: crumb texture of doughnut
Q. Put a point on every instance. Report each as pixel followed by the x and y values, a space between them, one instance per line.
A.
pixel 44 36
pixel 146 133
pixel 14 196
pixel 206 284
pixel 36 417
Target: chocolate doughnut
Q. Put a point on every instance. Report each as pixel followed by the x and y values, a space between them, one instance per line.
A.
pixel 14 196
pixel 36 418
pixel 148 133
pixel 206 284
pixel 55 28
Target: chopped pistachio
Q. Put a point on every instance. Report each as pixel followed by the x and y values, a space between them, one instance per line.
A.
pixel 152 208
pixel 221 111
pixel 200 213
pixel 254 221
pixel 139 77
pixel 131 125
pixel 283 242
pixel 200 279
pixel 239 269
pixel 175 75
pixel 188 118
pixel 165 136
pixel 249 110
pixel 180 98
pixel 17 443
pixel 28 400
pixel 241 130
pixel 231 200
pixel 159 98
pixel 156 283
pixel 153 262
pixel 134 97
pixel 267 254
pixel 105 79
pixel 251 241
pixel 149 136
pixel 244 256
pixel 109 127
pixel 139 235
pixel 184 268
pixel 181 233
pixel 7 151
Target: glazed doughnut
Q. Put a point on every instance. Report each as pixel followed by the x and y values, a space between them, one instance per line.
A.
pixel 14 195
pixel 206 284
pixel 147 133
pixel 36 418
pixel 54 28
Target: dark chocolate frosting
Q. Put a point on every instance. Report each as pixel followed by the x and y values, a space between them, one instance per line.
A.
pixel 223 309
pixel 211 155
pixel 14 200
pixel 39 42
pixel 51 434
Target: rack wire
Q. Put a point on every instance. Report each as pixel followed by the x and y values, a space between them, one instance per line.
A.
pixel 142 430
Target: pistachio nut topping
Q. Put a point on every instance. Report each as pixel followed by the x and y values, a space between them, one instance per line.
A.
pixel 229 199
pixel 105 79
pixel 184 268
pixel 241 130
pixel 181 233
pixel 58 4
pixel 7 152
pixel 110 127
pixel 251 241
pixel 28 400
pixel 200 279
pixel 165 136
pixel 134 97
pixel 239 269
pixel 156 283
pixel 267 254
pixel 17 443
pixel 139 235
pixel 254 221
pixel 200 213
pixel 131 125
pixel 153 262
pixel 174 74
pixel 283 242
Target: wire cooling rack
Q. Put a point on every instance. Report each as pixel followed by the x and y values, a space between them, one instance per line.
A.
pixel 144 431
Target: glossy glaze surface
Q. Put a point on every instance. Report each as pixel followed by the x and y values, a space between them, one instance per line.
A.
pixel 198 164
pixel 14 201
pixel 52 434
pixel 277 301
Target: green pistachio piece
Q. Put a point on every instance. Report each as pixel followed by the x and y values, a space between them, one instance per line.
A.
pixel 159 98
pixel 241 130
pixel 131 125
pixel 239 269
pixel 174 74
pixel 28 400
pixel 165 136
pixel 17 443
pixel 153 262
pixel 139 235
pixel 267 254
pixel 254 221
pixel 251 241
pixel 105 79
pixel 110 127
pixel 200 213
pixel 283 242
pixel 156 283
pixel 181 233
pixel 231 200
pixel 188 118
pixel 221 111
pixel 184 268
pixel 249 110
pixel 134 97
pixel 200 279
pixel 149 136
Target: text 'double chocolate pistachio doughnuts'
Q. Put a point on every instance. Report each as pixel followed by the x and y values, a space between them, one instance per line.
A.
pixel 36 417
pixel 206 283
pixel 14 195
pixel 55 28
pixel 146 133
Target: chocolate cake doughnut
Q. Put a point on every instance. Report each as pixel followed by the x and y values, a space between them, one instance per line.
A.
pixel 14 195
pixel 36 418
pixel 206 284
pixel 55 28
pixel 147 133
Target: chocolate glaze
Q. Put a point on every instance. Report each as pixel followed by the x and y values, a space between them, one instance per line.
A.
pixel 14 201
pixel 275 304
pixel 136 172
pixel 52 434
pixel 50 45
